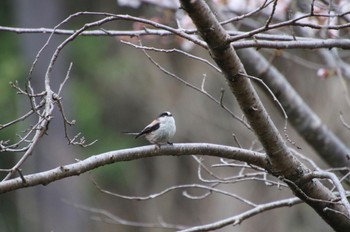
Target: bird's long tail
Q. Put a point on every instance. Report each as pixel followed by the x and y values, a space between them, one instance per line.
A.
pixel 131 133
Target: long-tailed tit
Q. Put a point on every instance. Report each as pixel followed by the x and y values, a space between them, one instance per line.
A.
pixel 160 130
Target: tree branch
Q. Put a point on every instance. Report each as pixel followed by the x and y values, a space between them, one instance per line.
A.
pixel 108 217
pixel 46 177
pixel 237 219
pixel 226 58
pixel 280 156
pixel 309 44
pixel 259 41
pixel 300 115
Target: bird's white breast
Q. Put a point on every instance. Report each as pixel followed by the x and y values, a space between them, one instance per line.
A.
pixel 166 131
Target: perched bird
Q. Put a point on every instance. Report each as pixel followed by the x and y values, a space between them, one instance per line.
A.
pixel 160 130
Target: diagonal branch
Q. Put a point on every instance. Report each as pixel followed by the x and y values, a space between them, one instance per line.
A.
pixel 280 156
pixel 226 58
pixel 237 219
pixel 300 115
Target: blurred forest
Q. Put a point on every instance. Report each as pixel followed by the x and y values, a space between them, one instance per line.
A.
pixel 114 87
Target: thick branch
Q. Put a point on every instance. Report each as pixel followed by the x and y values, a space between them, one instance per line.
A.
pixel 303 119
pixel 282 161
pixel 226 58
pixel 44 178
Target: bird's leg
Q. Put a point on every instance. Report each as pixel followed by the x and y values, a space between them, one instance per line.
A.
pixel 157 146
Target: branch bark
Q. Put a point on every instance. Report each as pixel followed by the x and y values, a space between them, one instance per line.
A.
pixel 300 115
pixel 46 177
pixel 303 119
pixel 261 40
pixel 282 161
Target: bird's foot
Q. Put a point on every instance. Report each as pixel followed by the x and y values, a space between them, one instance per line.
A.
pixel 157 146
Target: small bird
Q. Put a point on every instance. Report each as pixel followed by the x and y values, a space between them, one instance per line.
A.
pixel 160 130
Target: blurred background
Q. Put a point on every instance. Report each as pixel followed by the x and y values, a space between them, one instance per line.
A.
pixel 114 87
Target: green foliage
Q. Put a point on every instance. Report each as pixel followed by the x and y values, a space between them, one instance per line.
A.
pixel 11 69
pixel 92 97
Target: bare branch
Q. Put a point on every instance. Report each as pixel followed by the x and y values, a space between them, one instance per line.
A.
pixel 65 79
pixel 243 16
pixel 274 98
pixel 139 33
pixel 23 117
pixel 282 161
pixel 260 40
pixel 120 221
pixel 336 182
pixel 347 126
pixel 177 187
pixel 200 164
pixel 200 90
pixel 93 162
pixel 292 22
pixel 237 219
pixel 174 50
pixel 39 131
pixel 310 44
pixel 268 21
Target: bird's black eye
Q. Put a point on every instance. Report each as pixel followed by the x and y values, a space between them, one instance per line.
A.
pixel 165 114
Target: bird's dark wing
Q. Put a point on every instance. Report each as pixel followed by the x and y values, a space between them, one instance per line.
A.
pixel 148 129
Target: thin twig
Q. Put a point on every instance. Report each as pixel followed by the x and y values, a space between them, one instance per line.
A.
pixel 336 182
pixel 272 13
pixel 174 50
pixel 274 98
pixel 120 221
pixel 169 189
pixel 237 219
pixel 249 14
pixel 23 117
pixel 236 140
pixel 193 87
pixel 65 79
